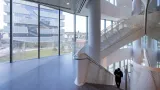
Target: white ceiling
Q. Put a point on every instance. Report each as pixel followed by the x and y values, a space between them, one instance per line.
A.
pixel 112 12
pixel 66 5
pixel 108 11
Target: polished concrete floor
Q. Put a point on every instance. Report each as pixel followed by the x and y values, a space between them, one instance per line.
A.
pixel 50 73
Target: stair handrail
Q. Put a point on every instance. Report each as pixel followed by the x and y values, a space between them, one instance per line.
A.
pixel 115 26
pixel 108 33
pixel 93 61
pixel 146 56
pixel 150 69
pixel 120 34
pixel 110 26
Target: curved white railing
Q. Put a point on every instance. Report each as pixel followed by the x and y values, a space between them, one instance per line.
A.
pixel 144 77
pixel 96 73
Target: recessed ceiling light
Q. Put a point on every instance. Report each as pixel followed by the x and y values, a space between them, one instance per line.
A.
pixel 67 3
pixel 124 6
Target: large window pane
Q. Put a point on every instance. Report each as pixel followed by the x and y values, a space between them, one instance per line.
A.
pixel 117 65
pixel 111 68
pixel 25 30
pixel 66 40
pixel 4 30
pixel 102 25
pixel 81 29
pixel 122 63
pixel 49 31
pixel 126 62
pixel 112 1
pixel 108 23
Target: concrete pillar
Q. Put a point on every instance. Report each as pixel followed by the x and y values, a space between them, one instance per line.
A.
pixel 136 7
pixel 111 25
pixel 152 51
pixel 137 51
pixel 94 28
pixel 105 28
pixel 158 2
pixel 93 41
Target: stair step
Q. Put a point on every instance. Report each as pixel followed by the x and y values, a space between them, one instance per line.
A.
pixel 90 86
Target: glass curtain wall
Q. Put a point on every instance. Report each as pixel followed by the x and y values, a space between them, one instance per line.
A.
pixel 4 30
pixel 102 25
pixel 25 30
pixel 114 2
pixel 81 30
pixel 67 33
pixel 121 64
pixel 108 23
pixel 49 31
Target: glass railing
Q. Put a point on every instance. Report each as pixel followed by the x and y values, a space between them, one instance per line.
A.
pixel 121 24
pixel 111 27
pixel 123 29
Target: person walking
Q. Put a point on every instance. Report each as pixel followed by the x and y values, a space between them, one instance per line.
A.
pixel 118 75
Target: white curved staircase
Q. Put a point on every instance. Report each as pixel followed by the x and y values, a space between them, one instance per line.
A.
pixel 121 34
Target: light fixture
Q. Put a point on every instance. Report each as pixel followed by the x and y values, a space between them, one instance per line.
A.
pixel 68 3
pixel 124 6
pixel 143 64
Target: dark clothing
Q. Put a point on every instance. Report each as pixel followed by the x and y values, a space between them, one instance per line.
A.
pixel 118 75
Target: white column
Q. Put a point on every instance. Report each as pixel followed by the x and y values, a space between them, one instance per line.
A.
pixel 93 41
pixel 137 51
pixel 158 2
pixel 136 7
pixel 152 51
pixel 94 28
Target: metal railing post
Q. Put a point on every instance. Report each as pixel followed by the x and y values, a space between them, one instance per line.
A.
pixel 126 74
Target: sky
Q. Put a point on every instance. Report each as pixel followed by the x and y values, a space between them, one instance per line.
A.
pixel 69 23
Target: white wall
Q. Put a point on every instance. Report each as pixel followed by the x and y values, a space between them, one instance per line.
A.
pixel 109 9
pixel 112 12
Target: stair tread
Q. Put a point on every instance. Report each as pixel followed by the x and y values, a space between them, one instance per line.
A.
pixel 90 86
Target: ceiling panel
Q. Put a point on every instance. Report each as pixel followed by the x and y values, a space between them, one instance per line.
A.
pixel 66 5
